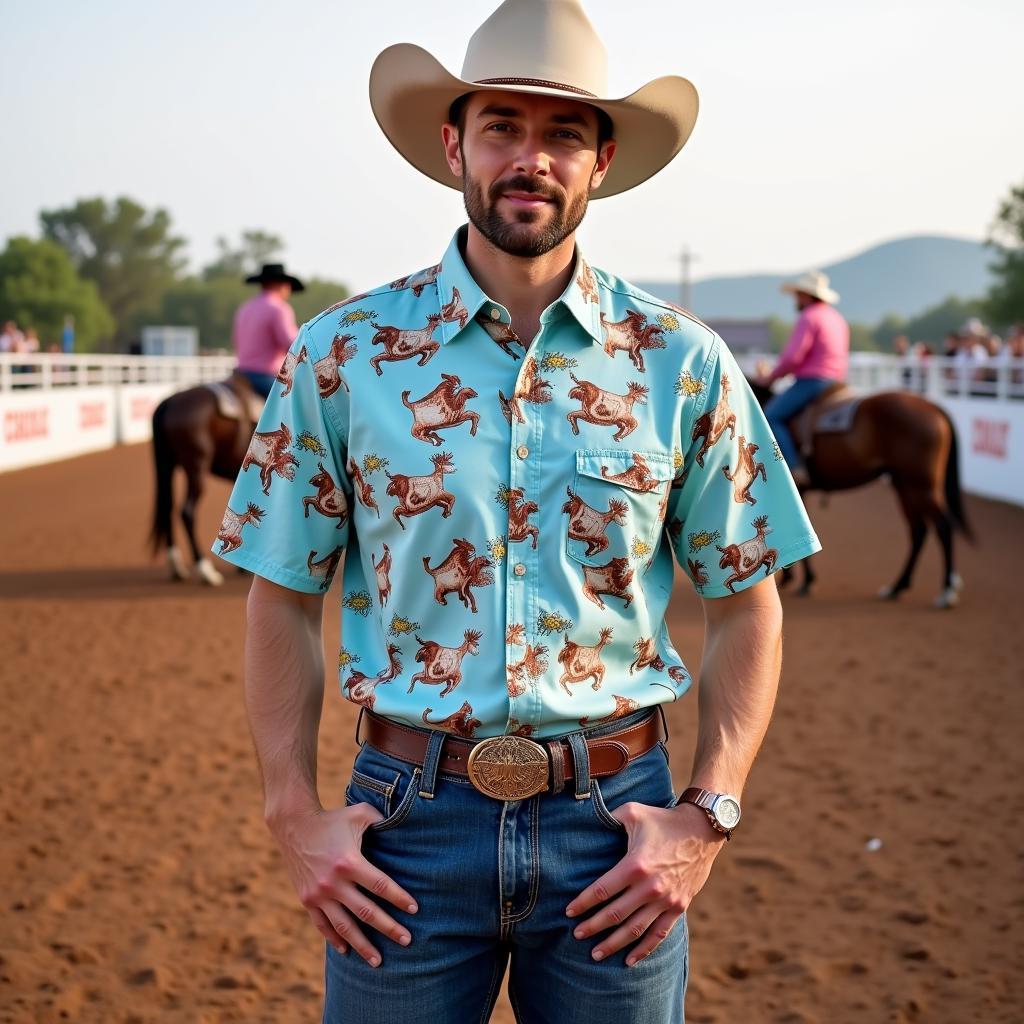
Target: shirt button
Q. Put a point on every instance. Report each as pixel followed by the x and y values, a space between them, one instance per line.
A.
pixel 522 451
pixel 519 569
pixel 495 314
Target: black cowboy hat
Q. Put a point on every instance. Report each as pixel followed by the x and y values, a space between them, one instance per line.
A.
pixel 272 272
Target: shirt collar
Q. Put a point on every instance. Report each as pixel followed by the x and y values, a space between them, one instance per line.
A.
pixel 581 296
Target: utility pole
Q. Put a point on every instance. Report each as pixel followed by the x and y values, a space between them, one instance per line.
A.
pixel 688 258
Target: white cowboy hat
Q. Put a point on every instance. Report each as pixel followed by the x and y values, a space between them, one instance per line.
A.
pixel 815 284
pixel 973 328
pixel 546 47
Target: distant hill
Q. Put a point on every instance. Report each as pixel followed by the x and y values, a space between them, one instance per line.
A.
pixel 904 276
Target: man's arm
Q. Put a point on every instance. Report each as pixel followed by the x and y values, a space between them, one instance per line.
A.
pixel 284 679
pixel 670 851
pixel 795 350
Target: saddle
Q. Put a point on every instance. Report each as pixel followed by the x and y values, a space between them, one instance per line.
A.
pixel 236 399
pixel 832 412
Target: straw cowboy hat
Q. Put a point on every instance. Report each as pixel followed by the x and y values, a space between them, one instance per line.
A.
pixel 272 273
pixel 542 47
pixel 815 284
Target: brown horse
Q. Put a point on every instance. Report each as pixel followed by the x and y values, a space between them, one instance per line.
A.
pixel 914 442
pixel 189 432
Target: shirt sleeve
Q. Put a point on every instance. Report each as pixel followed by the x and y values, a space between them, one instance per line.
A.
pixel 288 517
pixel 796 348
pixel 734 516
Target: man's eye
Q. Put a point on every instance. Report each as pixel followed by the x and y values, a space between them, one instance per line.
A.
pixel 500 126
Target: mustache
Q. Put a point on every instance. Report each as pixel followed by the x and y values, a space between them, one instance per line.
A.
pixel 523 183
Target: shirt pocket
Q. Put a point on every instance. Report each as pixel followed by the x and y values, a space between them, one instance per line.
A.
pixel 616 504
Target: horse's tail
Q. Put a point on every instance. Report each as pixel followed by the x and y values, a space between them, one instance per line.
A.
pixel 954 496
pixel 163 464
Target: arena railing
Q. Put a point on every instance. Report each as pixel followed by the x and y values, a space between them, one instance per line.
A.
pixel 57 370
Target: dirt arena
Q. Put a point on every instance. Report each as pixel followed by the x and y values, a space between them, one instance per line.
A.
pixel 139 883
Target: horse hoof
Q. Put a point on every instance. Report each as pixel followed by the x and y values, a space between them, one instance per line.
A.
pixel 956 581
pixel 888 594
pixel 177 564
pixel 208 574
pixel 949 598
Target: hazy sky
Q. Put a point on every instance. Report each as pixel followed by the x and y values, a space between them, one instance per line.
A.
pixel 823 127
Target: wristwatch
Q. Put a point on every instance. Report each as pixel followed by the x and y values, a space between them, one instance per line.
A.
pixel 723 810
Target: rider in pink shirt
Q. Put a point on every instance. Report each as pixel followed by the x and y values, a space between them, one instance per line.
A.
pixel 817 355
pixel 265 327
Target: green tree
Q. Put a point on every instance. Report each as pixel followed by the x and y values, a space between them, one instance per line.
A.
pixel 256 248
pixel 39 287
pixel 130 254
pixel 320 294
pixel 1005 301
pixel 932 325
pixel 208 305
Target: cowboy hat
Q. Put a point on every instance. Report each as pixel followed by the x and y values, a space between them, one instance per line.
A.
pixel 815 284
pixel 542 47
pixel 273 272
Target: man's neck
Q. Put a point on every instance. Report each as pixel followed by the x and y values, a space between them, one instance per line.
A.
pixel 525 286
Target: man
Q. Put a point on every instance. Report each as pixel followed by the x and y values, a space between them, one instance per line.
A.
pixel 509 447
pixel 264 327
pixel 817 355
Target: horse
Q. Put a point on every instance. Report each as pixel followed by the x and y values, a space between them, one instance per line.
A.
pixel 190 432
pixel 912 441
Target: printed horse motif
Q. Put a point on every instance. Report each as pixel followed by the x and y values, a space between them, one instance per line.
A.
pixel 519 512
pixel 623 706
pixel 416 494
pixel 638 476
pixel 382 570
pixel 444 664
pixel 748 556
pixel 460 722
pixel 362 688
pixel 712 424
pixel 580 663
pixel 363 489
pixel 632 335
pixel 533 663
pixel 269 450
pixel 329 499
pixel 455 310
pixel 745 473
pixel 586 282
pixel 325 568
pixel 501 334
pixel 418 281
pixel 328 368
pixel 591 526
pixel 231 526
pixel 287 372
pixel 646 656
pixel 529 388
pixel 405 343
pixel 606 408
pixel 462 570
pixel 612 578
pixel 440 409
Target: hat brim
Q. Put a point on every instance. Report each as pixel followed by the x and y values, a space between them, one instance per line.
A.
pixel 825 294
pixel 297 285
pixel 411 93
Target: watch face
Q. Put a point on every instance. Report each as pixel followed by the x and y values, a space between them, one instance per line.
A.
pixel 727 811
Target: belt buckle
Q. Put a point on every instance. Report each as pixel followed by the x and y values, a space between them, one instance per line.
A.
pixel 508 767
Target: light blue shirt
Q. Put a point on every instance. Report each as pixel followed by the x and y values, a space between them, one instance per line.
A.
pixel 508 512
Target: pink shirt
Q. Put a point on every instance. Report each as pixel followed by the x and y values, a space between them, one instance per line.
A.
pixel 818 347
pixel 263 331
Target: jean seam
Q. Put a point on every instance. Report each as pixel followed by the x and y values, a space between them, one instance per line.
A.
pixel 404 807
pixel 485 1012
pixel 531 901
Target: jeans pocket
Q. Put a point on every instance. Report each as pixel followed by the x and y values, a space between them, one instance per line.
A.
pixel 647 780
pixel 387 784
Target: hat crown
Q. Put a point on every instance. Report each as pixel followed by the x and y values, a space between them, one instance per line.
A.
pixel 539 41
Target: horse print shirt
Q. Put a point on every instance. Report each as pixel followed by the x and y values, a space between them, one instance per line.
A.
pixel 507 511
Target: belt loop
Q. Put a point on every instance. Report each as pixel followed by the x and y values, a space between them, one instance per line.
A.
pixel 430 762
pixel 581 764
pixel 557 754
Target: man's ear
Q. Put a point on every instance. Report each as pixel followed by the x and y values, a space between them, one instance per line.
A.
pixel 604 158
pixel 452 149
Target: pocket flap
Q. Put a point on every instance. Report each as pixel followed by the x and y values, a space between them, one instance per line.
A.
pixel 639 471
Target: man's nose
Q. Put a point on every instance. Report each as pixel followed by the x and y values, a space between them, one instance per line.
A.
pixel 532 157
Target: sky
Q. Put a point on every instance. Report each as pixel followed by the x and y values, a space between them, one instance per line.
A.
pixel 823 128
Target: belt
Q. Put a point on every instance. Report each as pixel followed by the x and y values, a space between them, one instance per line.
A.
pixel 514 767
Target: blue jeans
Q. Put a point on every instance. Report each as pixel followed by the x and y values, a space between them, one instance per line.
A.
pixel 785 405
pixel 261 382
pixel 492 881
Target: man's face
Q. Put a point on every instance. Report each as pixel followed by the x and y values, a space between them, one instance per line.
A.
pixel 528 165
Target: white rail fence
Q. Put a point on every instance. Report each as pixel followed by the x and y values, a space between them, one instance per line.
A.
pixel 53 406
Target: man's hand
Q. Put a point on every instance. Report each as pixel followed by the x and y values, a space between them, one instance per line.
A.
pixel 322 851
pixel 668 860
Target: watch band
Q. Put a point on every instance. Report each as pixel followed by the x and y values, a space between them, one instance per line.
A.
pixel 705 800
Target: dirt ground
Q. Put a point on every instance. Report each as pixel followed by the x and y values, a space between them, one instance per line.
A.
pixel 139 883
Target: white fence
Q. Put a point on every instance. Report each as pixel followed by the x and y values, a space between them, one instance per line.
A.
pixel 55 406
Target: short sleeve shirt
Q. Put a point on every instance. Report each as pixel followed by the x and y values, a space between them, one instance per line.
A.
pixel 508 512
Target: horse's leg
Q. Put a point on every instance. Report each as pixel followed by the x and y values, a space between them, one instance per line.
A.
pixel 951 584
pixel 195 474
pixel 913 503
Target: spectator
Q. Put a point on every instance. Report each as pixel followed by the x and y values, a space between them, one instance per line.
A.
pixel 10 340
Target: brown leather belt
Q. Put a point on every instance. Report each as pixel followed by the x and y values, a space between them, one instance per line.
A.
pixel 514 767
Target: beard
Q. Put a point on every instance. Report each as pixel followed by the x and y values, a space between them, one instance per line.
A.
pixel 532 232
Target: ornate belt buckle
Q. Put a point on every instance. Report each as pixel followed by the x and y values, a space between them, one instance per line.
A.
pixel 508 767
